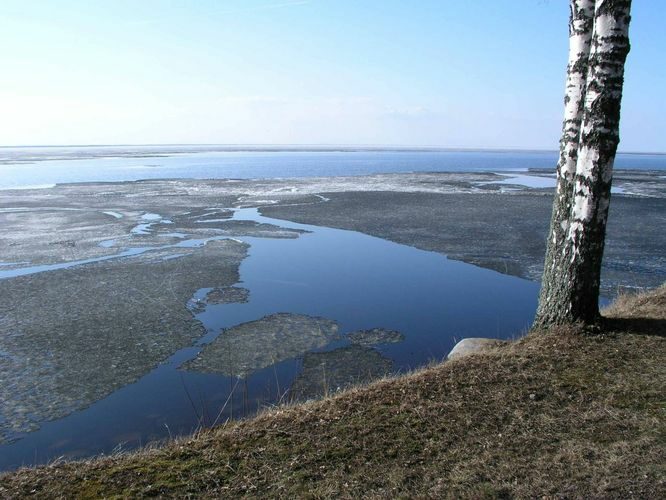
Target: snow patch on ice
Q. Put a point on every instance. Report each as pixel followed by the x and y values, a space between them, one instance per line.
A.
pixel 530 181
pixel 107 243
pixel 151 216
pixel 173 256
pixel 33 186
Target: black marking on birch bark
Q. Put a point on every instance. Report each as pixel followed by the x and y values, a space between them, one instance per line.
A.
pixel 571 279
pixel 555 267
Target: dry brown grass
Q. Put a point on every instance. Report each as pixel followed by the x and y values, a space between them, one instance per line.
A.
pixel 556 414
pixel 650 304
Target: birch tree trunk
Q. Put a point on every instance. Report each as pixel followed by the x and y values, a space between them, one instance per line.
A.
pixel 580 37
pixel 570 285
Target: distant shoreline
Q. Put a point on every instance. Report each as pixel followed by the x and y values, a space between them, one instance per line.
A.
pixel 32 167
pixel 307 148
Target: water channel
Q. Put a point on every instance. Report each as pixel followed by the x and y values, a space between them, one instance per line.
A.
pixel 358 281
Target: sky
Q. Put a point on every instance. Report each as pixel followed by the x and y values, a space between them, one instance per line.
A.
pixel 471 74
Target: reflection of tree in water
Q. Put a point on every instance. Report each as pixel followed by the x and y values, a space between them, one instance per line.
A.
pixel 324 373
pixel 249 347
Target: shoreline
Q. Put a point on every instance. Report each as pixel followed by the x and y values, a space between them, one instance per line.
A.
pixel 476 178
pixel 555 412
pixel 459 217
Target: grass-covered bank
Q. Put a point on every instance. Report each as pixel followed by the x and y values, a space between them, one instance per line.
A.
pixel 552 414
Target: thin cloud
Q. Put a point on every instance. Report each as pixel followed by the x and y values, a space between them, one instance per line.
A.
pixel 226 12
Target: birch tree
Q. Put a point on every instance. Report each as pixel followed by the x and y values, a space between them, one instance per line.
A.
pixel 598 47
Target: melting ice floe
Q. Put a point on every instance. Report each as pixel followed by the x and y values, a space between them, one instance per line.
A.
pixel 143 228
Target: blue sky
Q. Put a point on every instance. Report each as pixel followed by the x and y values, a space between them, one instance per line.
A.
pixel 479 73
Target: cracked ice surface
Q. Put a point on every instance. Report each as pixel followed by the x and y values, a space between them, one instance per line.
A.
pixel 244 349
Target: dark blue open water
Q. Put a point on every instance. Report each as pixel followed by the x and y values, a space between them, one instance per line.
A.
pixel 357 280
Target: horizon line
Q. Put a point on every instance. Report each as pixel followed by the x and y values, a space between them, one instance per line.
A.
pixel 314 146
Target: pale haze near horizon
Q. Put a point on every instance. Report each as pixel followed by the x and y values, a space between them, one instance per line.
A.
pixel 478 74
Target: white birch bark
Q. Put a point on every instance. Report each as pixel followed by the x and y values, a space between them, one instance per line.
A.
pixel 581 16
pixel 570 293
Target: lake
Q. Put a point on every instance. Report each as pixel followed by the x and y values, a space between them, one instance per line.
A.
pixel 29 167
pixel 360 305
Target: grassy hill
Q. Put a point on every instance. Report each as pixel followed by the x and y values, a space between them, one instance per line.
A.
pixel 557 413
